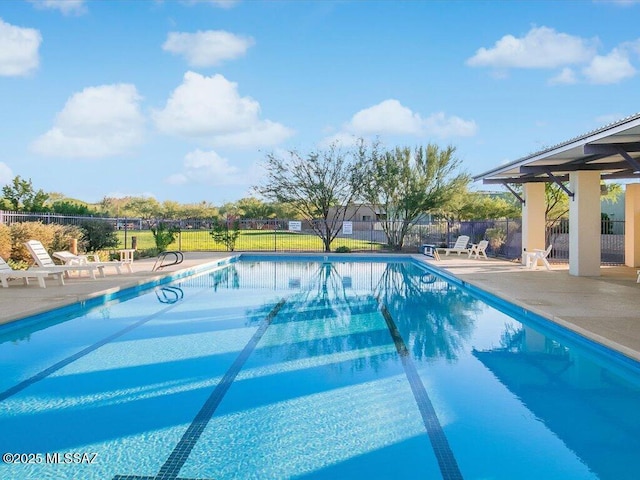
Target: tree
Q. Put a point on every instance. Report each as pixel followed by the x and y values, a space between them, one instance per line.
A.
pixel 200 210
pixel 164 235
pixel 22 196
pixel 221 233
pixel 144 207
pixel 69 207
pixel 98 235
pixel 557 200
pixel 407 184
pixel 255 209
pixel 465 205
pixel 319 186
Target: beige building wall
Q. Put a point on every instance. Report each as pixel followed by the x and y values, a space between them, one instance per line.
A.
pixel 632 225
pixel 584 224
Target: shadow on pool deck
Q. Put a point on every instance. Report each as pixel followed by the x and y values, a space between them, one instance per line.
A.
pixel 605 309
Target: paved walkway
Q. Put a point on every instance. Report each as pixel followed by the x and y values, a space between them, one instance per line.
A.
pixel 605 308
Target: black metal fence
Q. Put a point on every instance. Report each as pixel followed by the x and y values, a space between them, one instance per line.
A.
pixel 193 234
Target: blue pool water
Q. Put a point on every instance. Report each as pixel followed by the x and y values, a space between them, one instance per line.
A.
pixel 307 369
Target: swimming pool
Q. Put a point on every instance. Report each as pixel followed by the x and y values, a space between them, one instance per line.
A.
pixel 301 368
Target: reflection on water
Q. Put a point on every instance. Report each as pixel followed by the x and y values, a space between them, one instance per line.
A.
pixel 591 406
pixel 169 294
pixel 437 317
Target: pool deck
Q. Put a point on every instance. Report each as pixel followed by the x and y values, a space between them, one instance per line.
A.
pixel 605 309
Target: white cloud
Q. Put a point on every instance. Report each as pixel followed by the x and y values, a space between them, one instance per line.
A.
pixel 566 77
pixel 67 7
pixel 208 48
pixel 611 68
pixel 390 117
pixel 209 168
pixel 18 50
pixel 212 110
pixel 445 126
pixel 541 47
pixel 97 122
pixel 6 174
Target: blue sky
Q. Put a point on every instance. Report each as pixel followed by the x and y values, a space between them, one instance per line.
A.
pixel 182 100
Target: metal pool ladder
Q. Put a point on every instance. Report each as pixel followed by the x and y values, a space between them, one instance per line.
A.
pixel 177 258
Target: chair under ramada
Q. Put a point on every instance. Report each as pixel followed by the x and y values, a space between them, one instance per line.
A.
pixel 7 273
pixel 45 262
pixel 479 249
pixel 459 247
pixel 531 258
pixel 70 259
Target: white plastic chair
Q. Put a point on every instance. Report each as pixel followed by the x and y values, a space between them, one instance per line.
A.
pixel 531 258
pixel 45 262
pixel 7 273
pixel 459 247
pixel 479 249
pixel 70 259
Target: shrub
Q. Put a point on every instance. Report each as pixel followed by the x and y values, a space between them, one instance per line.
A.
pixel 22 232
pixel 164 236
pixel 98 235
pixel 222 234
pixel 5 242
pixel 496 236
pixel 63 235
pixel 343 249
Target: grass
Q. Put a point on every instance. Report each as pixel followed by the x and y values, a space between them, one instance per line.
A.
pixel 249 240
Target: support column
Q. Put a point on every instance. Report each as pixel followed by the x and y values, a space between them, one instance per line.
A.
pixel 584 224
pixel 632 225
pixel 533 218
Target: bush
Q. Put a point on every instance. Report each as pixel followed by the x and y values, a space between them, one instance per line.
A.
pixel 98 235
pixel 164 236
pixel 53 237
pixel 5 242
pixel 222 234
pixel 496 236
pixel 343 249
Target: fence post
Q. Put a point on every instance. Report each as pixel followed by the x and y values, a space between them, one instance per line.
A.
pixel 125 232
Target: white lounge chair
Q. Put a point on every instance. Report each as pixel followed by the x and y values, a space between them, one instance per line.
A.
pixel 531 258
pixel 45 262
pixel 7 273
pixel 479 249
pixel 459 247
pixel 90 259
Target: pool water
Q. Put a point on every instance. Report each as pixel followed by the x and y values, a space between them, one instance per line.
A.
pixel 309 369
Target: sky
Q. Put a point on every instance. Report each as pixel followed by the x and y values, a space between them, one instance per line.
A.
pixel 183 100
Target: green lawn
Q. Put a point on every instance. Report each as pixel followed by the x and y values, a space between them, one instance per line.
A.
pixel 249 240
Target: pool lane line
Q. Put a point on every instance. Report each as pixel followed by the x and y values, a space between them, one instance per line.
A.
pixel 179 455
pixel 64 362
pixel 446 459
